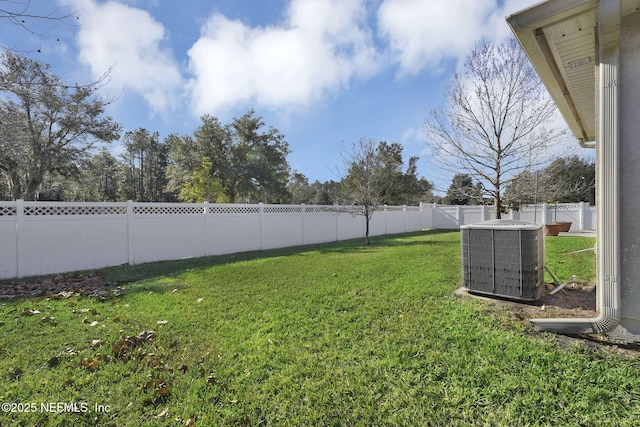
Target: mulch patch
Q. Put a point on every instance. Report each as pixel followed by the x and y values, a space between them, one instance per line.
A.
pixel 61 286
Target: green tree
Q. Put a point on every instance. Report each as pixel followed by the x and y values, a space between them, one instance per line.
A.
pixel 523 189
pixel 102 177
pixel 326 193
pixel 247 161
pixel 565 180
pixel 202 186
pixel 259 160
pixel 416 190
pixel 145 159
pixel 463 191
pixel 299 189
pixel 568 180
pixel 399 187
pixel 184 159
pixel 49 128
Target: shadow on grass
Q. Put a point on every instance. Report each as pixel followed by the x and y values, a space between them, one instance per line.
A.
pixel 133 274
pixel 389 240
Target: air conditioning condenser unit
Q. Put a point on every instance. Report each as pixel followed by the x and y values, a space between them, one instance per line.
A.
pixel 503 258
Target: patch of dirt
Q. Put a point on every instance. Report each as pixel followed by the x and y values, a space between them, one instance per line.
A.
pixel 61 286
pixel 574 300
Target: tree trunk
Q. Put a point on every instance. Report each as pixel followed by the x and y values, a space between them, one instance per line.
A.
pixel 366 228
pixel 498 205
pixel 32 188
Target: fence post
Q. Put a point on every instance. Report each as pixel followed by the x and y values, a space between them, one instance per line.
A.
pixel 514 214
pixel 581 217
pixel 20 244
pixel 433 216
pixel 460 215
pixel 404 218
pixel 304 240
pixel 130 248
pixel 386 219
pixel 544 214
pixel 205 232
pixel 261 207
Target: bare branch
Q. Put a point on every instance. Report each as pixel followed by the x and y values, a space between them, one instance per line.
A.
pixel 19 13
pixel 494 125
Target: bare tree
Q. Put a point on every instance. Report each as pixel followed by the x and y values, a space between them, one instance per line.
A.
pixel 362 179
pixel 20 13
pixel 494 125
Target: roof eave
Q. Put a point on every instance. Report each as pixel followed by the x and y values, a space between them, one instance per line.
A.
pixel 527 27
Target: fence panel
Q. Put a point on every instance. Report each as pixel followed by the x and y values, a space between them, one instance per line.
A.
pixel 395 220
pixel 282 226
pixel 8 240
pixel 581 215
pixel 350 225
pixel 446 218
pixel 164 231
pixel 54 237
pixel 60 237
pixel 232 228
pixel 320 224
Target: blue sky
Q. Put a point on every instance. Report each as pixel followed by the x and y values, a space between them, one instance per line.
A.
pixel 323 72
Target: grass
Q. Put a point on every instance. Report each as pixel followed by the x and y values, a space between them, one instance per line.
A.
pixel 340 335
pixel 567 257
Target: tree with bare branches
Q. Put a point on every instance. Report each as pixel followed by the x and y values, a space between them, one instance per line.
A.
pixel 362 179
pixel 21 14
pixel 495 125
pixel 372 175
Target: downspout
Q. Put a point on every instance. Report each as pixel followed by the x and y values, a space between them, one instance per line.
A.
pixel 607 159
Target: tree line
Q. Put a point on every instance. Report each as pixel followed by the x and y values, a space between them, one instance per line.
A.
pixel 54 139
pixel 565 180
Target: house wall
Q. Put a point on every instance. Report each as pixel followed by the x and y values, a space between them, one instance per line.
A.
pixel 630 171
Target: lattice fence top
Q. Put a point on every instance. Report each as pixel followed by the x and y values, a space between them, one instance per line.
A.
pixel 553 206
pixel 319 209
pixel 62 210
pixel 167 210
pixel 282 209
pixel 400 208
pixel 8 211
pixel 118 208
pixel 221 209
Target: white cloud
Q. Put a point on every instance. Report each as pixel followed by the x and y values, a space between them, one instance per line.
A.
pixel 423 34
pixel 130 40
pixel 320 47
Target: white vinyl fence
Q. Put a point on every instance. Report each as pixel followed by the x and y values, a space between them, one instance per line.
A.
pixel 54 237
pixel 581 215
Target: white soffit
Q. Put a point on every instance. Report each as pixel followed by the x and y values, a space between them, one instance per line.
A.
pixel 560 38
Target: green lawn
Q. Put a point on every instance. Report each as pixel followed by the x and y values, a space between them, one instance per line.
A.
pixel 340 334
